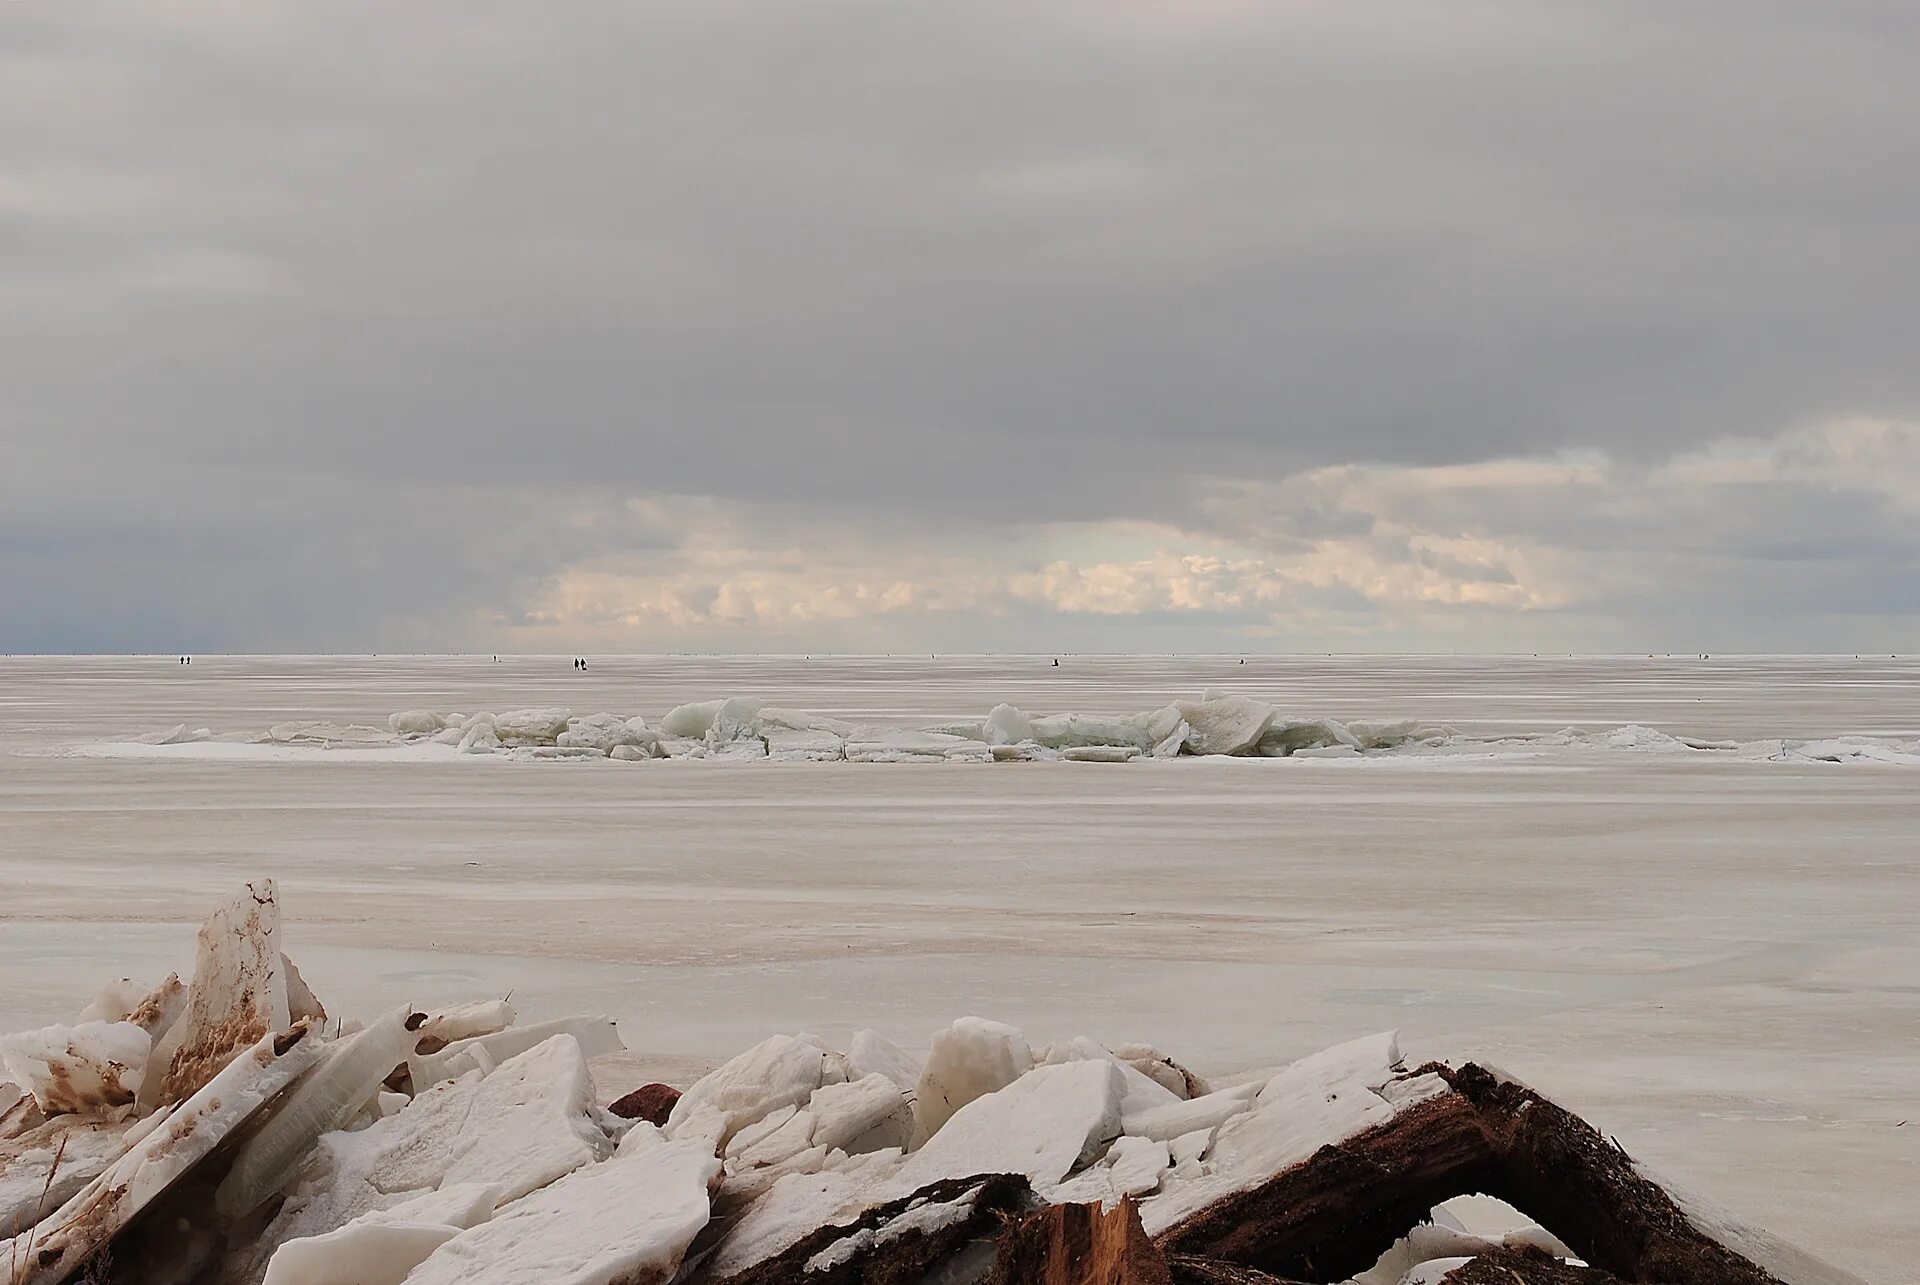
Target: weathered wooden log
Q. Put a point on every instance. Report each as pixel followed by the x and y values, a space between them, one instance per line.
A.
pixel 1079 1245
pixel 887 1245
pixel 1333 1215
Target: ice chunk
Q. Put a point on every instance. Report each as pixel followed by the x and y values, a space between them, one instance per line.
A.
pixel 1225 724
pixel 867 1114
pixel 70 1236
pixel 1175 1119
pixel 415 722
pixel 518 1129
pixel 302 1003
pixel 382 1247
pixel 630 1219
pixel 734 720
pixel 1061 731
pixel 327 1098
pixel 872 1052
pixel 780 1071
pixel 115 1000
pixel 1157 1066
pixel 239 994
pixel 771 720
pixel 44 1166
pixel 692 720
pixel 792 1207
pixel 1138 1165
pixel 1044 1125
pixel 804 746
pixel 1296 736
pixel 530 726
pixel 886 745
pixel 464 1021
pixel 972 1057
pixel 480 736
pixel 1313 1102
pixel 597 1036
pixel 608 732
pixel 78 1068
pixel 1007 726
pixel 1101 753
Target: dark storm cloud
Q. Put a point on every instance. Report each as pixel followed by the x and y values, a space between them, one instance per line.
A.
pixel 935 268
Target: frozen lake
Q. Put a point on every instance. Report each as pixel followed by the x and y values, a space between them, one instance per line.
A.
pixel 1715 959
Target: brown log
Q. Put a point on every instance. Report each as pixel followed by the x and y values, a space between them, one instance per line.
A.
pixel 902 1259
pixel 1525 1267
pixel 1332 1216
pixel 1079 1245
pixel 1188 1270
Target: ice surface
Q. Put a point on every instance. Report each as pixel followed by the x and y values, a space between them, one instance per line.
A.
pixel 1483 893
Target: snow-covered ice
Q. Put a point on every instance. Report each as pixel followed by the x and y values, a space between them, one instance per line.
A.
pixel 1709 949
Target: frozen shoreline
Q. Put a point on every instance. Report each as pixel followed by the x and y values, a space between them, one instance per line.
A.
pixel 232 1129
pixel 1576 916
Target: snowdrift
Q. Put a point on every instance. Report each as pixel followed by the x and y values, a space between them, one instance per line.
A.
pixel 740 729
pixel 230 1131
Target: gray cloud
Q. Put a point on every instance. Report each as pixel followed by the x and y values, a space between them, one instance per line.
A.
pixel 911 274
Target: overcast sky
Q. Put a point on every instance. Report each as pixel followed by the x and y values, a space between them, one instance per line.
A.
pixel 1207 325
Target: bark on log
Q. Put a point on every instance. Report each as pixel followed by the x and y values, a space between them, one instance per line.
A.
pixel 1079 1245
pixel 1525 1267
pixel 1331 1216
pixel 905 1258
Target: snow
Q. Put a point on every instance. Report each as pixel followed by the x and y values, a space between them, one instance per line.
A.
pixel 972 1057
pixel 627 1220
